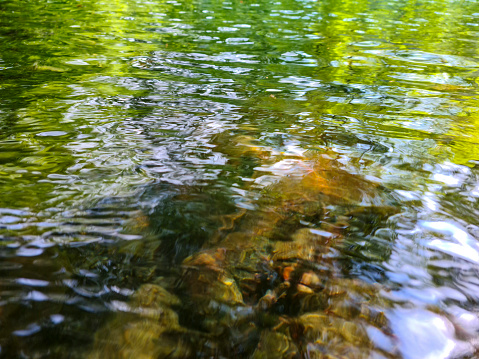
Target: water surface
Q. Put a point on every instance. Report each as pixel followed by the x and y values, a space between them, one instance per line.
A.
pixel 137 136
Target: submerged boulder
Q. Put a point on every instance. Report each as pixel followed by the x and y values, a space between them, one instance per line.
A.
pixel 268 283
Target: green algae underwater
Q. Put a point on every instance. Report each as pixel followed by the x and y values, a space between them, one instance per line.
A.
pixel 239 179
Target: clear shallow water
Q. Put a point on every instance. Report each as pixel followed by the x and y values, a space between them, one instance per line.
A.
pixel 135 134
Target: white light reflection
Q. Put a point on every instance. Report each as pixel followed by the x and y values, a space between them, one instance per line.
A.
pixel 465 246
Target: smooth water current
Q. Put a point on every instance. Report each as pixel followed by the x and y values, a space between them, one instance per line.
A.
pixel 245 178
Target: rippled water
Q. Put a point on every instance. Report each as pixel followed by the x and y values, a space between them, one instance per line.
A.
pixel 135 134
